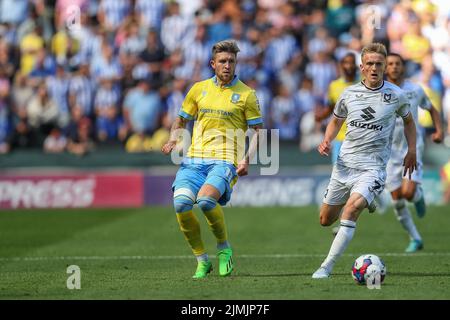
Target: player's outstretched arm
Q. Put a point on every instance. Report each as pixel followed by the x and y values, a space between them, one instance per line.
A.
pixel 242 168
pixel 410 161
pixel 179 123
pixel 332 130
pixel 438 135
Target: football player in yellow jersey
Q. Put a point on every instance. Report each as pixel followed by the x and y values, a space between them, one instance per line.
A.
pixel 223 107
pixel 349 76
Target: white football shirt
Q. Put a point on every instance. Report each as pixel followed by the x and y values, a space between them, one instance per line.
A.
pixel 371 115
pixel 417 99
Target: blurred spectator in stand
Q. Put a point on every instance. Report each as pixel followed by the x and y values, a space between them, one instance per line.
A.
pixel 22 135
pixel 152 57
pixel 44 67
pixel 176 29
pixel 349 76
pixel 431 82
pixel 5 89
pixel 55 142
pixel 304 97
pixel 321 42
pixel 322 70
pixel 111 13
pixel 80 141
pixel 106 65
pixel 264 96
pixel 106 106
pixel 340 16
pixel 6 62
pixel 131 45
pixel 175 98
pixel 42 113
pixel 220 27
pixel 58 89
pixel 290 75
pixel 415 46
pixel 21 94
pixel 142 115
pixel 285 115
pixel 397 26
pixel 64 46
pixel 14 12
pixel 149 13
pixel 196 56
pixel 307 104
pixel 246 67
pixel 280 50
pixel 30 46
pixel 44 13
pixel 81 90
pixel 88 38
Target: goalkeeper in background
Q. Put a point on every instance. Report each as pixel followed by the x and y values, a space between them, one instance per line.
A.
pixel 220 105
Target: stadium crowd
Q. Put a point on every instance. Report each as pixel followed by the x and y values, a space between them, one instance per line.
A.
pixel 80 73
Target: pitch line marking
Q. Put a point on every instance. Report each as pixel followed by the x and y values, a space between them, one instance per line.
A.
pixel 244 256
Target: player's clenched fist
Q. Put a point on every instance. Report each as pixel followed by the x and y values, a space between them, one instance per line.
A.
pixel 324 148
pixel 437 137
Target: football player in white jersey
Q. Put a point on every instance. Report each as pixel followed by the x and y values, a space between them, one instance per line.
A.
pixel 370 109
pixel 404 189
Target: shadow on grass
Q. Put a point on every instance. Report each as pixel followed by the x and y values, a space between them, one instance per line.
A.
pixel 302 274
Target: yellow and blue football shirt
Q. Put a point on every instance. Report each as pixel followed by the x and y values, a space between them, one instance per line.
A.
pixel 220 113
pixel 334 91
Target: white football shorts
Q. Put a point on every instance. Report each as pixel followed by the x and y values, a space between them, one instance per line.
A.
pixel 395 170
pixel 344 181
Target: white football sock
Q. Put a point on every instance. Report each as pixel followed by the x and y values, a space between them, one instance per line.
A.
pixel 203 257
pixel 404 217
pixel 340 243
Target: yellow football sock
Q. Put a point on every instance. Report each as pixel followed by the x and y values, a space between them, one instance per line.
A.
pixel 190 227
pixel 216 222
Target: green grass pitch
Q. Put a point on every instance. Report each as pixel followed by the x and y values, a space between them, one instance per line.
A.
pixel 141 254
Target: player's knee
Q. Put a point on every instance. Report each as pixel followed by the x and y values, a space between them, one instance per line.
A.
pixel 181 205
pixel 183 200
pixel 325 221
pixel 206 203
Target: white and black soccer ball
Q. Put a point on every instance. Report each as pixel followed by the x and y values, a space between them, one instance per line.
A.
pixel 368 265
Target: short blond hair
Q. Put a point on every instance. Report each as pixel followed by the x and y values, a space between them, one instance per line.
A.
pixel 375 47
pixel 225 46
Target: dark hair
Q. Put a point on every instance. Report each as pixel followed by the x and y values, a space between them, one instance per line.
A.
pixel 348 54
pixel 393 54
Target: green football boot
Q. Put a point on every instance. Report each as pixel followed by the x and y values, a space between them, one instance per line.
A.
pixel 203 268
pixel 225 262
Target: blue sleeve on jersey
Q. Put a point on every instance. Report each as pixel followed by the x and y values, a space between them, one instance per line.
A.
pixel 185 115
pixel 253 122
